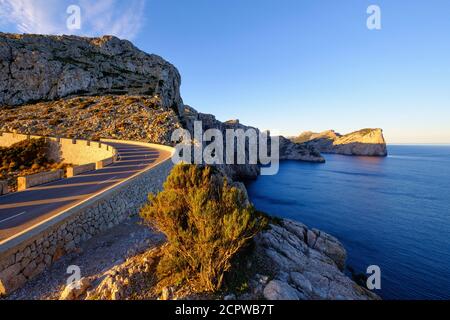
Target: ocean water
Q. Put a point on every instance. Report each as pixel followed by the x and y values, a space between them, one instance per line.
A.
pixel 392 212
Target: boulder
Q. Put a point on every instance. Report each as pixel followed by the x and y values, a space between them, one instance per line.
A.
pixel 75 290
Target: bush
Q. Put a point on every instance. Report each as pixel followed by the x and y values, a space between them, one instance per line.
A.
pixel 206 222
pixel 24 154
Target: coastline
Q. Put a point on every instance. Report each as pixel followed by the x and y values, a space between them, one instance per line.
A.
pixel 357 199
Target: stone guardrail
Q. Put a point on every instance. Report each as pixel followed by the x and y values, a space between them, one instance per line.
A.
pixel 29 253
pixel 4 189
pixel 73 151
pixel 84 156
pixel 103 163
pixel 77 170
pixel 37 179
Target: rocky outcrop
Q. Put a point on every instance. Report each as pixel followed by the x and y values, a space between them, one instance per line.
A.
pixel 288 150
pixel 36 67
pixel 303 264
pixel 365 142
pixel 298 151
pixel 209 121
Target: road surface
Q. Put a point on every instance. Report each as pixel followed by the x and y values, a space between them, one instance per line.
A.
pixel 22 210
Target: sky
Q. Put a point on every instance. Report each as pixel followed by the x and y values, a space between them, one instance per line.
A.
pixel 284 65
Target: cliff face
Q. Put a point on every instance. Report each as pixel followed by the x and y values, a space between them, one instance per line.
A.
pixel 365 142
pixel 299 151
pixel 288 149
pixel 36 67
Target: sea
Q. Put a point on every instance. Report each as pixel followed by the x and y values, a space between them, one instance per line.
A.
pixel 391 212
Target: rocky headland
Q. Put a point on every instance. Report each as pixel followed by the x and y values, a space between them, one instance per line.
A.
pixel 365 142
pixel 107 88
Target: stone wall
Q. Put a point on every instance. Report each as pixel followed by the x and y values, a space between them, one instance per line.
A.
pixel 27 255
pixel 8 139
pixel 79 152
pixel 73 151
pixel 3 187
pixel 76 170
pixel 37 179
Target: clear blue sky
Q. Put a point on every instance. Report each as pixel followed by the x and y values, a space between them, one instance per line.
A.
pixel 288 65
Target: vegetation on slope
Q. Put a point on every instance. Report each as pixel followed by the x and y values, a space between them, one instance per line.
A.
pixel 24 158
pixel 207 223
pixel 137 118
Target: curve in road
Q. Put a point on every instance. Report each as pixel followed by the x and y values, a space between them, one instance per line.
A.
pixel 22 210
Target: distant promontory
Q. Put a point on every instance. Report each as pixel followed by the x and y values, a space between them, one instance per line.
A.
pixel 365 142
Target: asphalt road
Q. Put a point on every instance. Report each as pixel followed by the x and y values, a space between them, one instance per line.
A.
pixel 22 210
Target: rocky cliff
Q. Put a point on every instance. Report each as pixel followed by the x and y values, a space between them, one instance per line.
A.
pixel 302 264
pixel 288 149
pixel 36 68
pixel 365 142
pixel 299 151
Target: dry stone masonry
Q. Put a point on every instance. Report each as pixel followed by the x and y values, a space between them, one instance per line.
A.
pixel 24 261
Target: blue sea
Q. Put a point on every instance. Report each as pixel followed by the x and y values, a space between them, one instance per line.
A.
pixel 392 212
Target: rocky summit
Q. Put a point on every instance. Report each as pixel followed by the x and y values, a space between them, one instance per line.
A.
pixel 365 142
pixel 36 67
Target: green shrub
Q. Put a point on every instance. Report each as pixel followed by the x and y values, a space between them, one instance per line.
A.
pixel 206 222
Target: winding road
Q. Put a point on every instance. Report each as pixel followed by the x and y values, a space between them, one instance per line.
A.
pixel 20 211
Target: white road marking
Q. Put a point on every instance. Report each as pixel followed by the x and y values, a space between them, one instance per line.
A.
pixel 108 180
pixel 10 218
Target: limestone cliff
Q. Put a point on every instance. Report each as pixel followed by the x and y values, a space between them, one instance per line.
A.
pixel 299 151
pixel 36 68
pixel 365 142
pixel 288 149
